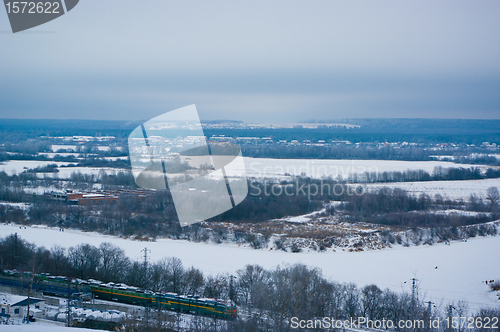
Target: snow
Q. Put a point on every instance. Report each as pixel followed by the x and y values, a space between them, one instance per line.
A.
pixel 459 212
pixel 442 157
pixel 472 155
pixel 12 167
pixel 62 154
pixel 41 327
pixel 56 147
pixel 448 189
pixel 481 155
pixel 11 298
pixel 23 206
pixel 65 172
pixel 303 218
pixel 317 168
pixel 462 266
pixel 266 167
pixel 116 158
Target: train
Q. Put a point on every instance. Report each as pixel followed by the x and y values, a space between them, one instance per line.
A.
pixel 44 283
pixel 77 288
pixel 170 301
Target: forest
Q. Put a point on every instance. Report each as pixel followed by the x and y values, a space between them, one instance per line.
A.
pixel 267 299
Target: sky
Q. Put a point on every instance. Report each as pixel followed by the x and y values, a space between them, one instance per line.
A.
pixel 256 61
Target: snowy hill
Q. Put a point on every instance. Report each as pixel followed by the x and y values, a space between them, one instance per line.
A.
pixel 462 267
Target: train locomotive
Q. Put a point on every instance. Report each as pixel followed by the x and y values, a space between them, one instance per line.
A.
pixel 84 289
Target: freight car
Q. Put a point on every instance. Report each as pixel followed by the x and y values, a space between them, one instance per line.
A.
pixel 169 301
pixel 48 285
pixel 59 286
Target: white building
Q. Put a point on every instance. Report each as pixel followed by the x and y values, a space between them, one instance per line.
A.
pixel 17 306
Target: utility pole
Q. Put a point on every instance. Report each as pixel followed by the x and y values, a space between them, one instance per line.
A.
pixel 414 289
pixel 68 307
pixel 145 250
pixel 15 248
pixel 429 309
pixel 148 305
pixel 232 293
pixel 30 284
pixel 429 305
pixel 146 312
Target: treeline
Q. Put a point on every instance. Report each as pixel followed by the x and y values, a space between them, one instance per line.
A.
pixel 80 161
pixel 100 162
pixel 122 179
pixel 363 152
pixel 28 147
pixel 155 215
pixel 439 174
pixel 428 134
pixel 267 299
pixel 274 200
pixel 397 207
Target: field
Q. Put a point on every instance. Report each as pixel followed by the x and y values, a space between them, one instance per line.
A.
pixel 42 327
pixel 462 267
pixel 448 189
pixel 269 168
pixel 317 168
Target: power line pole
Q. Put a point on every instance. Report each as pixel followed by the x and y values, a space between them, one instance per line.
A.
pixel 429 307
pixel 30 284
pixel 29 294
pixel 232 293
pixel 414 288
pixel 145 250
pixel 68 307
pixel 148 304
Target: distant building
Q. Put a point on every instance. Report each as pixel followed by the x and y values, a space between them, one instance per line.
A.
pixel 91 199
pixel 17 306
pixel 96 197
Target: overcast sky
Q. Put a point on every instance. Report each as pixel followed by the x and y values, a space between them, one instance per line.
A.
pixel 256 61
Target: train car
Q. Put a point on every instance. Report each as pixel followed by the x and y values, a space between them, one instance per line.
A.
pixel 122 293
pixel 59 286
pixel 195 305
pixel 56 286
pixel 169 301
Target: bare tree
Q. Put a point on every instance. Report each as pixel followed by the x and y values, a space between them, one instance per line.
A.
pixel 247 278
pixel 370 297
pixel 114 262
pixel 85 260
pixel 194 281
pixel 493 196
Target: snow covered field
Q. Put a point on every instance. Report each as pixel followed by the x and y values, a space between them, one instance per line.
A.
pixel 461 270
pixel 65 172
pixel 12 167
pixel 41 327
pixel 62 154
pixel 57 147
pixel 271 168
pixel 448 189
pixel 18 166
pixel 317 168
